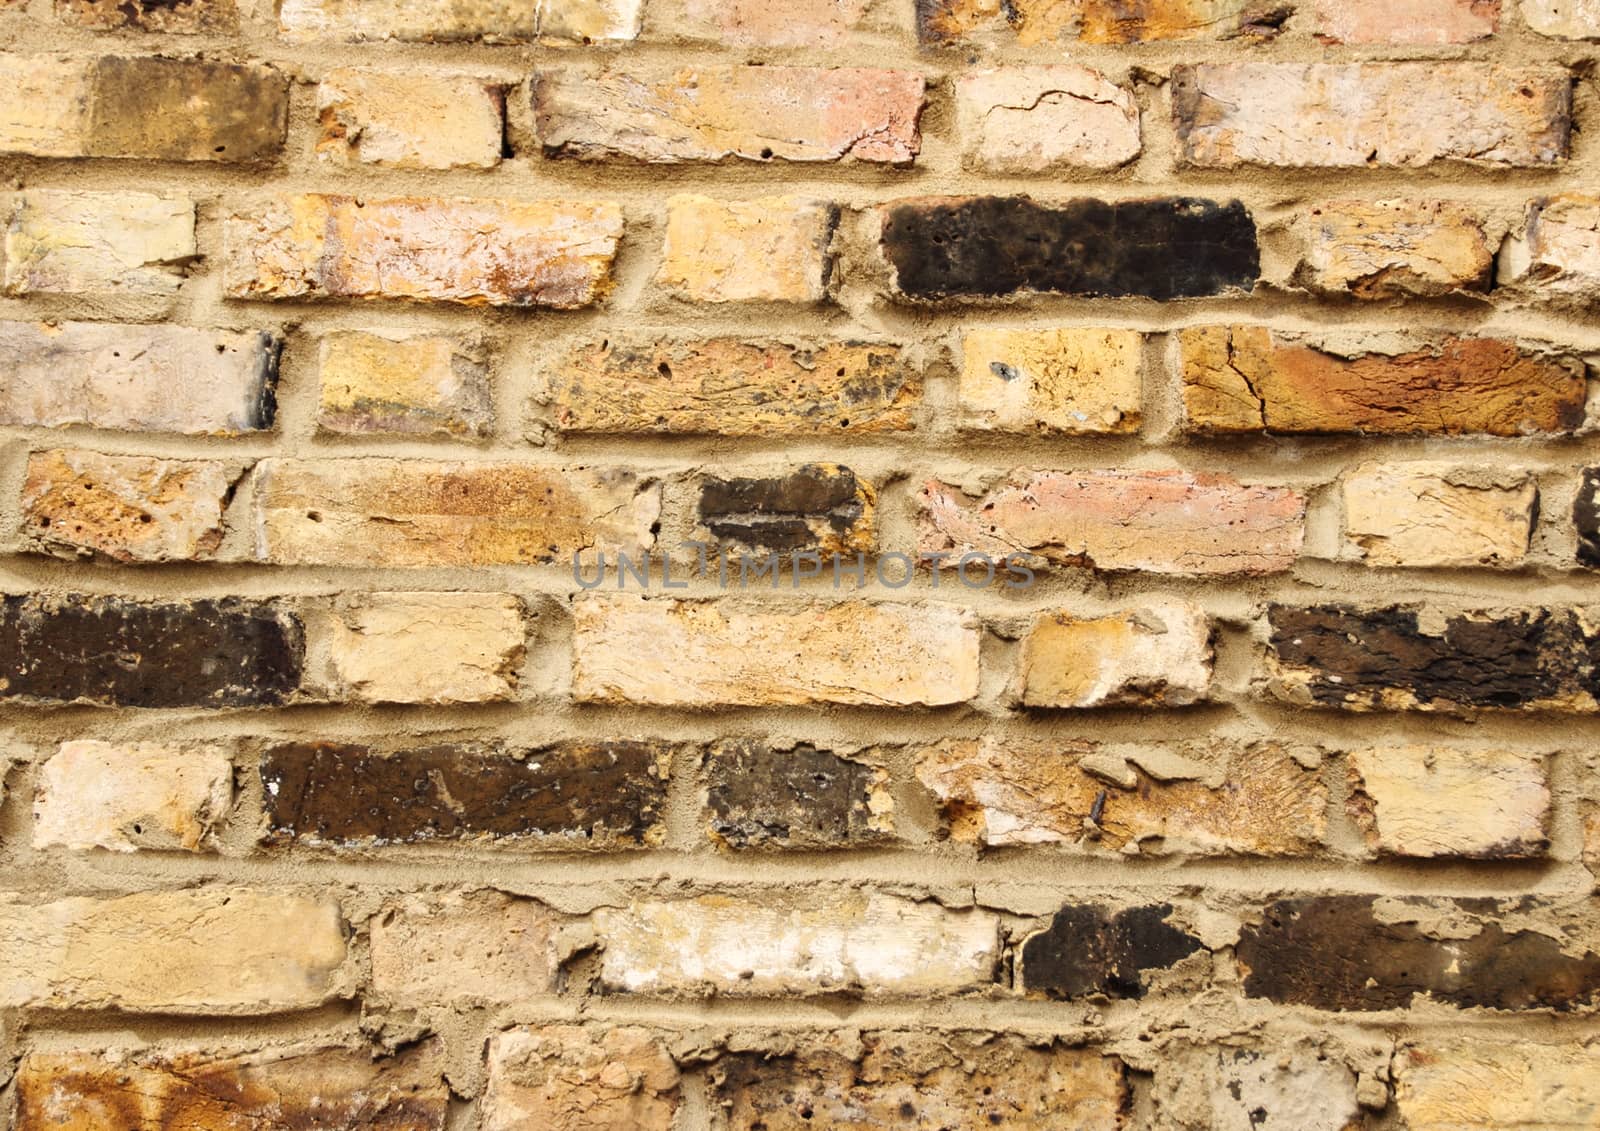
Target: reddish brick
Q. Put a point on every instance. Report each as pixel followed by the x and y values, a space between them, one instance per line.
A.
pixel 756 23
pixel 1406 21
pixel 581 1078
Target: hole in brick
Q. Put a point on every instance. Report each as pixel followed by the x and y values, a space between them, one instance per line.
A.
pixel 766 155
pixel 314 516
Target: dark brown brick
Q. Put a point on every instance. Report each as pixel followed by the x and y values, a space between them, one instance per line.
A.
pixel 1091 950
pixel 577 795
pixel 1586 517
pixel 819 507
pixel 761 796
pixel 187 110
pixel 106 650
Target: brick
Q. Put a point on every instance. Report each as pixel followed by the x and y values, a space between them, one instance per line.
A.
pixel 1355 115
pixel 132 796
pixel 456 21
pixel 713 113
pixel 1557 253
pixel 1586 517
pixel 1243 379
pixel 195 951
pixel 47 113
pixel 580 1078
pixel 568 795
pixel 172 17
pixel 757 23
pixel 1399 659
pixel 1279 1086
pixel 303 1085
pixel 417 385
pixel 126 508
pixel 138 378
pixel 426 648
pixel 763 794
pixel 1385 249
pixel 774 249
pixel 1591 839
pixel 463 948
pixel 388 512
pixel 96 243
pixel 120 653
pixel 1089 949
pixel 1466 1084
pixel 696 654
pixel 842 941
pixel 521 253
pixel 1439 514
pixel 1156 656
pixel 1249 799
pixel 1170 522
pixel 922 1081
pixel 1424 22
pixel 988 246
pixel 1029 22
pixel 1039 119
pixel 1066 381
pixel 1563 19
pixel 823 508
pixel 1355 952
pixel 732 387
pixel 1429 801
pixel 410 119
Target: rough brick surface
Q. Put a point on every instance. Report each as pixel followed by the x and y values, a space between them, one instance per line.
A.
pixel 774 249
pixel 420 385
pixel 763 795
pixel 1437 514
pixel 1051 381
pixel 411 120
pixel 1426 801
pixel 183 17
pixel 1557 253
pixel 1563 19
pixel 1409 21
pixel 1473 1085
pixel 571 1076
pixel 1035 119
pixel 478 947
pixel 823 508
pixel 445 21
pixel 1030 22
pixel 758 23
pixel 1158 656
pixel 1395 248
pixel 132 796
pixel 96 243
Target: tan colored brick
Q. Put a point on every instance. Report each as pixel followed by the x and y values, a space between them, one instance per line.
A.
pixel 431 648
pixel 1040 119
pixel 127 508
pixel 732 387
pixel 785 943
pixel 410 119
pixel 713 113
pixel 580 1078
pixel 1439 514
pixel 128 796
pixel 1430 22
pixel 1563 19
pixel 1278 1085
pixel 775 249
pixel 183 17
pixel 96 243
pixel 1156 656
pixel 387 512
pixel 1396 248
pixel 1252 379
pixel 1557 254
pixel 475 252
pixel 1430 801
pixel 194 951
pixel 46 113
pixel 1175 522
pixel 457 949
pixel 1066 381
pixel 697 654
pixel 757 23
pixel 450 21
pixel 1403 115
pixel 1491 1084
pixel 1030 22
pixel 422 385
pixel 1591 839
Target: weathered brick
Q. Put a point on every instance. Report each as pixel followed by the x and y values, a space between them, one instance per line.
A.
pixel 1064 381
pixel 476 252
pixel 1563 19
pixel 985 247
pixel 762 794
pixel 1591 837
pixel 1039 119
pixel 1093 950
pixel 420 385
pixel 119 653
pixel 1252 379
pixel 713 113
pixel 1404 115
pixel 411 119
pixel 1426 801
pixel 1176 522
pixel 572 1077
pixel 127 796
pixel 303 1085
pixel 96 243
pixel 792 943
pixel 388 512
pixel 463 948
pixel 922 1081
pixel 823 508
pixel 567 795
pixel 1360 952
pixel 732 387
pixel 1437 513
pixel 1557 253
pixel 1156 656
pixel 950 22
pixel 47 112
pixel 172 17
pixel 774 249
pixel 194 951
pixel 1253 799
pixel 1586 517
pixel 1410 21
pixel 1383 249
pixel 1399 659
pixel 127 508
pixel 453 21
pixel 698 654
pixel 138 378
pixel 757 23
pixel 1281 1085
pixel 1487 1084
pixel 427 648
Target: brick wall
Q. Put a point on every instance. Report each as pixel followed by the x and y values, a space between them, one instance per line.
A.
pixel 1257 788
